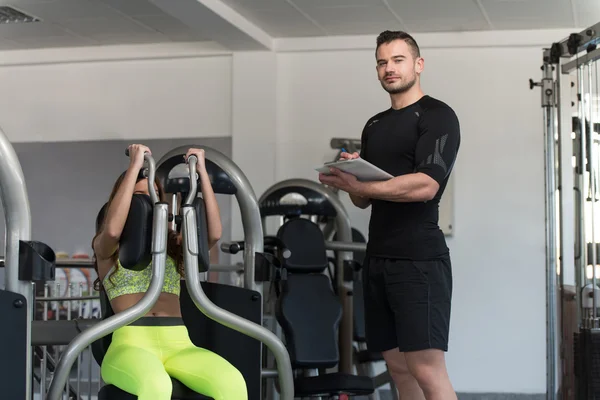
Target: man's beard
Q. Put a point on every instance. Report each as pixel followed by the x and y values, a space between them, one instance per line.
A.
pixel 398 87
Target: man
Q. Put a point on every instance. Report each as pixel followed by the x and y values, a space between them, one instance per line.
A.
pixel 407 274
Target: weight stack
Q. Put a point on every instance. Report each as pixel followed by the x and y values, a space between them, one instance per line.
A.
pixel 586 345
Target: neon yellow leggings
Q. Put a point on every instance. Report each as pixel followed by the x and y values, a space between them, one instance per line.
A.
pixel 140 360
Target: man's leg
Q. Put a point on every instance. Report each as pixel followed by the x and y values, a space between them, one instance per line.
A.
pixel 429 369
pixel 407 385
pixel 380 325
pixel 419 294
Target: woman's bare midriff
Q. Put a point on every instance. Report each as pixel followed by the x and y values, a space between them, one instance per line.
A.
pixel 167 304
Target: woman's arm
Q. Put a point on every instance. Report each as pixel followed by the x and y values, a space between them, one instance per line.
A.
pixel 213 214
pixel 107 241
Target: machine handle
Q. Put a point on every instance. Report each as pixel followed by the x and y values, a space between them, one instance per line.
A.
pixel 149 173
pixel 192 162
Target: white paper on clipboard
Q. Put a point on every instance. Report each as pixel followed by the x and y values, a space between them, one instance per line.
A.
pixel 363 170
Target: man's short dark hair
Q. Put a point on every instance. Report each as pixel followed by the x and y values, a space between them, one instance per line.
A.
pixel 389 36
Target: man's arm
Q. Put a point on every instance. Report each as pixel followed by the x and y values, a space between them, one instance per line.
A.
pixel 360 202
pixel 434 158
pixel 414 187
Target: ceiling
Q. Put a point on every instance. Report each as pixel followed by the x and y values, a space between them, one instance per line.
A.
pixel 252 24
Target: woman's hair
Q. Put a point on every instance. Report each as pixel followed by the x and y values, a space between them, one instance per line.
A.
pixel 174 249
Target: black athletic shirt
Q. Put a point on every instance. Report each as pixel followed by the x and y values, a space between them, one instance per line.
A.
pixel 422 137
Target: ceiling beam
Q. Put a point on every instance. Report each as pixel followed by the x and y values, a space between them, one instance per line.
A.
pixel 218 21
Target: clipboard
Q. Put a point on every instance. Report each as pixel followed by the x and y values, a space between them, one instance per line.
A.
pixel 362 169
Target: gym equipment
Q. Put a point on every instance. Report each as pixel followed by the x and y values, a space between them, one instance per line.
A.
pixel 295 198
pixel 25 262
pixel 343 287
pixel 348 144
pixel 241 349
pixel 309 312
pixel 571 65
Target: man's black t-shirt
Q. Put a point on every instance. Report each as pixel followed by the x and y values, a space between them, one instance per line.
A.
pixel 422 137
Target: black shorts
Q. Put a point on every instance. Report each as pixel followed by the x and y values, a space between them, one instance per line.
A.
pixel 407 303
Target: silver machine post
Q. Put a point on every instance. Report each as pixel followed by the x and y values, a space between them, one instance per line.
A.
pixel 17 214
pixel 253 235
pixel 114 322
pixel 571 55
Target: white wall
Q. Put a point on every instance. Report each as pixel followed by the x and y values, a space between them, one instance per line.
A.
pixel 122 92
pixel 498 318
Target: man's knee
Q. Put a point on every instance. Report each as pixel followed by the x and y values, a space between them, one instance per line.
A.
pixel 426 366
pixel 396 364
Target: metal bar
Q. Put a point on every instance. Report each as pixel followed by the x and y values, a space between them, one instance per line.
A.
pixel 61 332
pixel 151 178
pixel 550 171
pixel 226 268
pixel 564 48
pixel 42 299
pixel 192 162
pixel 592 56
pixel 174 211
pixel 224 317
pixel 269 373
pixel 250 213
pixel 594 180
pixel 345 246
pixel 344 235
pixel 74 263
pixel 44 362
pixel 580 277
pixel 159 252
pixel 17 215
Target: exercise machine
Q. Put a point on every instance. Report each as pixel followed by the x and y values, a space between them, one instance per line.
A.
pixel 343 287
pixel 27 261
pixel 306 304
pixel 309 312
pixel 569 87
pixel 300 198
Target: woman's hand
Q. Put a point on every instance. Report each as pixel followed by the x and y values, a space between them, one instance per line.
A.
pixel 136 156
pixel 199 153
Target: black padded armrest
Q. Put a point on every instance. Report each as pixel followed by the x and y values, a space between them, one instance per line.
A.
pixel 136 238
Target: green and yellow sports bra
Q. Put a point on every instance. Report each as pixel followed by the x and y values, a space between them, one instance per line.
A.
pixel 126 281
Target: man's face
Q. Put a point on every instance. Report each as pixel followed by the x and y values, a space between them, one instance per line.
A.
pixel 397 69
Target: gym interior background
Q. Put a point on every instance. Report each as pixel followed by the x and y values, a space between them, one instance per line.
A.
pixel 269 86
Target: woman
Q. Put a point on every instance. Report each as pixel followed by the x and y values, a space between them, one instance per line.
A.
pixel 144 354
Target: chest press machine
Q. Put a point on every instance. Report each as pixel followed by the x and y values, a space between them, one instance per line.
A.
pixel 221 318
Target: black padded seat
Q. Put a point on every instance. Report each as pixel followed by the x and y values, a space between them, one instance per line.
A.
pixel 180 392
pixel 309 313
pixel 333 384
